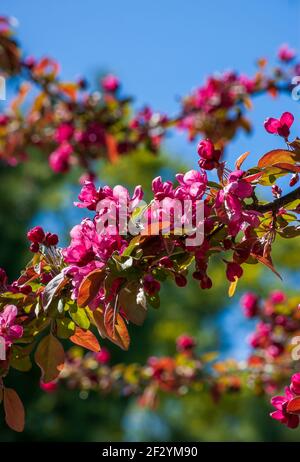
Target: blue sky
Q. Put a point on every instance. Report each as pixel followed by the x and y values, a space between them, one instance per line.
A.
pixel 162 49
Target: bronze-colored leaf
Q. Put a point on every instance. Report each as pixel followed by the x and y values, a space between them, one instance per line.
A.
pixel 86 339
pixel 50 357
pixel 90 287
pixel 14 410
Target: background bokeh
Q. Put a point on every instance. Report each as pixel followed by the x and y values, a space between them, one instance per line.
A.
pixel 160 50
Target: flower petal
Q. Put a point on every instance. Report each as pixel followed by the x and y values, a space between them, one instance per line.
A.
pixel 287 119
pixel 272 125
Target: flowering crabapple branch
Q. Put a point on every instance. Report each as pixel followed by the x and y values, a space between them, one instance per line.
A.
pixel 107 279
pixel 263 372
pixel 72 126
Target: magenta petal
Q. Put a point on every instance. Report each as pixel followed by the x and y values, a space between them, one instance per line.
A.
pixel 15 331
pixel 244 189
pixel 287 119
pixel 272 125
pixel 288 393
pixel 278 401
pixel 277 415
pixel 9 314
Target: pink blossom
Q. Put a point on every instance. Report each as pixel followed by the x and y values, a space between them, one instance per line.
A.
pixel 162 189
pixel 36 234
pixel 151 286
pixel 103 357
pixel 285 53
pixel 185 343
pixel 64 132
pixel 277 296
pixel 280 126
pixel 49 387
pixel 295 384
pixel 233 270
pixel 249 302
pixel 9 329
pixel 230 198
pixel 261 337
pixel 110 83
pixel 209 155
pixel 192 185
pixel 281 413
pixel 59 159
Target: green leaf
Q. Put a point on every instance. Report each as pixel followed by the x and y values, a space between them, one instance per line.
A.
pixel 65 327
pixel 80 318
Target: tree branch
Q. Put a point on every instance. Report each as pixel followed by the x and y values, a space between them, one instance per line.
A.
pixel 277 203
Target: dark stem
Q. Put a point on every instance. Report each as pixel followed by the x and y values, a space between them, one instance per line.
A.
pixel 277 203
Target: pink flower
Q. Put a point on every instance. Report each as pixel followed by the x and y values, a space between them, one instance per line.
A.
pixel 49 387
pixel 64 132
pixel 295 384
pixel 280 126
pixel 261 337
pixel 51 239
pixel 277 296
pixel 9 330
pixel 233 270
pixel 151 286
pixel 59 159
pixel 185 342
pixel 110 83
pixel 249 303
pixel 281 414
pixel 209 155
pixel 36 235
pixel 285 53
pixel 230 198
pixel 103 357
pixel 162 189
pixel 193 184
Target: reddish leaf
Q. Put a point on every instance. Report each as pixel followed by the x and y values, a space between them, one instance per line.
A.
pixel 99 321
pixel 50 357
pixel 86 339
pixel 14 410
pixel 294 405
pixel 288 167
pixel 277 155
pixel 90 287
pixel 241 159
pixel 116 329
pixel 266 262
pixel 253 177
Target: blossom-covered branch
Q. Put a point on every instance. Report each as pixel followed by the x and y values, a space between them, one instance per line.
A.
pixel 73 126
pixel 111 273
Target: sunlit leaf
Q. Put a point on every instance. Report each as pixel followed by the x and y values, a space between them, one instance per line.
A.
pixel 50 357
pixel 86 339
